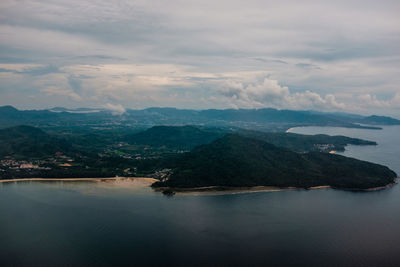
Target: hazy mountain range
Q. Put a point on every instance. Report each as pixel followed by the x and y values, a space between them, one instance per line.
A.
pixel 261 119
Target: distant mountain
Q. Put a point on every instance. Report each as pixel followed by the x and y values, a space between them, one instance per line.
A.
pixel 246 118
pixel 10 116
pixel 75 110
pixel 264 115
pixel 380 120
pixel 240 161
pixel 27 142
pixel 260 119
pixel 8 109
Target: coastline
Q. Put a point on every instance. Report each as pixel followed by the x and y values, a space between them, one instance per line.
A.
pixel 205 190
pixel 379 188
pixel 103 179
pixel 224 190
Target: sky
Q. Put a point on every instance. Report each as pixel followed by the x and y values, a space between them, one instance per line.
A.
pixel 304 55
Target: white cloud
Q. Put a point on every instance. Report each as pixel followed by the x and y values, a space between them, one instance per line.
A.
pixel 117 109
pixel 140 86
pixel 56 91
pixel 366 100
pixel 340 55
pixel 55 84
pixel 371 101
pixel 396 101
pixel 269 93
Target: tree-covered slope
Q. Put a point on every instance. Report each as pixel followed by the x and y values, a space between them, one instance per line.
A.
pixel 239 161
pixel 302 143
pixel 380 120
pixel 181 137
pixel 187 137
pixel 27 141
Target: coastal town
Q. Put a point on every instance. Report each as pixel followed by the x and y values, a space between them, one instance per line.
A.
pixel 114 160
pixel 10 163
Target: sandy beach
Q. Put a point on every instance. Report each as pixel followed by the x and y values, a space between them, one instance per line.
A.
pixel 224 190
pixel 374 188
pixel 111 180
pixel 141 182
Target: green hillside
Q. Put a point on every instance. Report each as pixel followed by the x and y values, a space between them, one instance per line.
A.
pixel 187 137
pixel 180 137
pixel 28 142
pixel 302 143
pixel 380 120
pixel 239 161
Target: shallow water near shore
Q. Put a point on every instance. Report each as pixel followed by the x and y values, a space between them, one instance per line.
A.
pixel 100 224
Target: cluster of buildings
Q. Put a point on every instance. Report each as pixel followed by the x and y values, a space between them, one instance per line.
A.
pixel 325 147
pixel 162 174
pixel 10 163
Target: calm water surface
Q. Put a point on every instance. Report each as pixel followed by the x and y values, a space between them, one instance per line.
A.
pixel 89 224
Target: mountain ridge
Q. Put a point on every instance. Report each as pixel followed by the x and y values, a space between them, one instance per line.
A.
pixel 263 119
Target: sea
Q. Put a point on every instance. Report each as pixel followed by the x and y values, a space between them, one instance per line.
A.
pixel 91 224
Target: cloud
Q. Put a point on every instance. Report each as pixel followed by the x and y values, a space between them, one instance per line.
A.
pixel 370 101
pixel 208 54
pixel 21 68
pixel 269 93
pixel 270 60
pixel 117 109
pixel 56 91
pixel 140 86
pixel 307 65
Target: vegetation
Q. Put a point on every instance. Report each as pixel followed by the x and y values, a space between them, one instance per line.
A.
pixel 240 161
pixel 233 160
pixel 28 142
pixel 379 120
pixel 304 143
pixel 266 119
pixel 178 137
pixel 187 137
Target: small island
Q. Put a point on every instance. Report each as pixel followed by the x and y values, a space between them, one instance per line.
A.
pixel 237 161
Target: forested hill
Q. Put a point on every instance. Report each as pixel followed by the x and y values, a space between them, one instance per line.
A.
pixel 187 137
pixel 380 120
pixel 179 137
pixel 304 143
pixel 240 161
pixel 100 152
pixel 26 142
pixel 31 142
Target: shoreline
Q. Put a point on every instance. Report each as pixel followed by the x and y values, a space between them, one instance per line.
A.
pixel 205 190
pixel 77 179
pixel 378 188
pixel 223 190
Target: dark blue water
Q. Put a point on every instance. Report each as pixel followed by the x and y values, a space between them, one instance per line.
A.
pixel 87 224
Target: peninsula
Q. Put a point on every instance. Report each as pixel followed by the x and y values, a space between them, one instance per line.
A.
pixel 237 161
